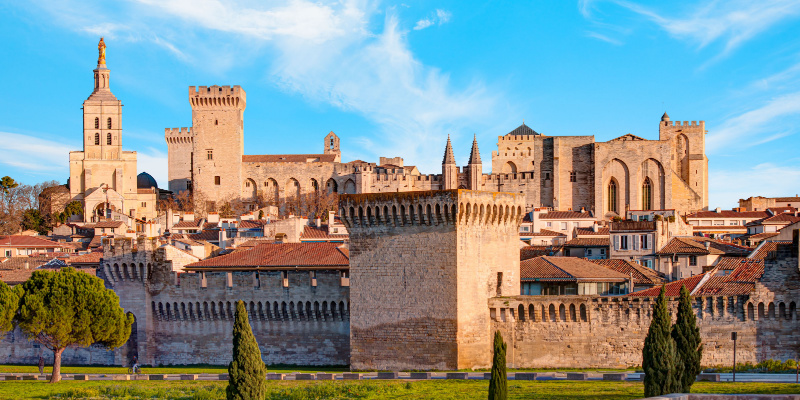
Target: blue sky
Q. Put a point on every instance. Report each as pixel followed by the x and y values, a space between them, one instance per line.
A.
pixel 395 78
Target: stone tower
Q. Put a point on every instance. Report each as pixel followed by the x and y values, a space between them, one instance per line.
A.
pixel 423 266
pixel 102 163
pixel 331 145
pixel 474 167
pixel 180 158
pixel 218 134
pixel 690 164
pixel 449 168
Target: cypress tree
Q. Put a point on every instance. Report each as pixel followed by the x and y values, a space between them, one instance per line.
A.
pixel 688 344
pixel 658 355
pixel 246 373
pixel 498 386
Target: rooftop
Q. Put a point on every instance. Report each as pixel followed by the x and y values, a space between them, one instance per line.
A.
pixel 312 255
pixel 566 269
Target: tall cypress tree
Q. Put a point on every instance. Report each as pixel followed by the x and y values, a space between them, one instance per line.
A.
pixel 687 342
pixel 246 373
pixel 658 355
pixel 498 386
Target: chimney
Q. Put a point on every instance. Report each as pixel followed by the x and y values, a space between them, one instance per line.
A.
pixel 594 227
pixel 718 210
pixel 583 210
pixel 707 244
pixel 318 222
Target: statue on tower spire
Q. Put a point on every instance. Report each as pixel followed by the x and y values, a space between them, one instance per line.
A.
pixel 101 48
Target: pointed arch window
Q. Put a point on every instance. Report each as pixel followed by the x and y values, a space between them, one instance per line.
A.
pixel 97 139
pixel 109 123
pixel 647 194
pixel 108 139
pixel 96 122
pixel 612 196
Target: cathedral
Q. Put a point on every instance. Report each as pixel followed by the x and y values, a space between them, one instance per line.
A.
pixel 103 176
pixel 560 172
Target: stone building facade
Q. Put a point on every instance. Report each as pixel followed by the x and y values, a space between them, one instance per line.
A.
pixel 561 172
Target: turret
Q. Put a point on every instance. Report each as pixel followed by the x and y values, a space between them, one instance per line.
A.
pixel 449 168
pixel 474 167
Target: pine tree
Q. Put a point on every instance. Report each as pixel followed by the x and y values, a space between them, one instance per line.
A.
pixel 246 373
pixel 498 386
pixel 688 343
pixel 658 355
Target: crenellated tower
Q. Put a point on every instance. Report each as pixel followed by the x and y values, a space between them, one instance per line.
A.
pixel 179 158
pixel 423 266
pixel 449 168
pixel 218 144
pixel 689 162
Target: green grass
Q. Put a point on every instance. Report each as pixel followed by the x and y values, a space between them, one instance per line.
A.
pixel 292 390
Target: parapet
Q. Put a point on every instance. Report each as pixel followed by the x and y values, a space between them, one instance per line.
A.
pixel 178 135
pixel 217 96
pixel 684 124
pixel 434 207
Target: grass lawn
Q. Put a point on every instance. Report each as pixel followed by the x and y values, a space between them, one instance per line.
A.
pixel 435 389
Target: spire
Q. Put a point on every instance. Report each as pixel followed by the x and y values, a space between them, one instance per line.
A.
pixel 448 154
pixel 101 49
pixel 665 117
pixel 474 155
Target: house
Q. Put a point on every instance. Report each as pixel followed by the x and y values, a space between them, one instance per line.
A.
pixel 557 276
pixel 723 224
pixel 759 203
pixel 563 222
pixel 528 252
pixel 590 248
pixel 643 277
pixel 684 257
pixel 768 227
pixel 19 245
pixel 544 237
pixel 638 240
pixel 111 228
pixel 715 282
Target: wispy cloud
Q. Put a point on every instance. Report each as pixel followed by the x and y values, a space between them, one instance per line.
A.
pixel 780 114
pixel 154 162
pixel 33 154
pixel 604 38
pixel 766 179
pixel 438 17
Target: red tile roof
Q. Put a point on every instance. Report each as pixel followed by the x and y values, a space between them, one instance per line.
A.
pixel 90 258
pixel 777 219
pixel 108 224
pixel 278 158
pixel 747 271
pixel 529 252
pixel 286 255
pixel 589 231
pixel 729 214
pixel 588 242
pixel 206 234
pixel 787 199
pixel 187 225
pixel 567 215
pixel 759 236
pixel 672 289
pixel 719 286
pixel 641 274
pixel 17 276
pixel 543 232
pixel 683 245
pixel 762 251
pixel 251 224
pixel 27 242
pixel 321 233
pixel 566 269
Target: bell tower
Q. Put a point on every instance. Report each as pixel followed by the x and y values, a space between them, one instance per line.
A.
pixel 102 115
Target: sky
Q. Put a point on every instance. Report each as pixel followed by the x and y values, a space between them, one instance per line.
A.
pixel 395 78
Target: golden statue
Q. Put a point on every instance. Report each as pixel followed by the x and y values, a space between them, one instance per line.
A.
pixel 101 48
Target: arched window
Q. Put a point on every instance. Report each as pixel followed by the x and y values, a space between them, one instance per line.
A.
pixel 612 196
pixel 647 194
pixel 108 138
pixel 109 123
pixel 96 122
pixel 97 139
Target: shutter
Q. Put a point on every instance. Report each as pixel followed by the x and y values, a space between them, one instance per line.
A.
pixel 635 240
pixel 616 242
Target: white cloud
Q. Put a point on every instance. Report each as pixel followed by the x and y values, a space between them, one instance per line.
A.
pixel 765 179
pixel 732 22
pixel 154 162
pixel 34 155
pixel 438 17
pixel 779 114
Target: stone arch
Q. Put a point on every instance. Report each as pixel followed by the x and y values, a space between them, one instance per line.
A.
pixel 292 188
pixel 291 310
pixel 584 316
pixel 160 311
pixel 249 190
pixel 521 312
pixel 316 309
pixel 771 310
pixel 562 312
pixel 333 309
pixel 782 310
pixel 572 314
pixel 428 214
pixel 761 314
pixel 169 313
pixel 532 312
pixel 342 309
pixel 332 186
pixel 205 310
pixel 349 187
pixel 284 310
pixel 509 168
pixel 313 186
pixel 616 171
pixel 439 218
pixel 792 310
pixel 653 171
pixel 551 313
pixel 183 311
pixel 272 191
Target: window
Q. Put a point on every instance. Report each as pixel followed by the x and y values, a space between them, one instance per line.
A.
pixel 612 196
pixel 692 261
pixel 144 204
pixel 499 282
pixel 589 252
pixel 647 195
pixel 547 176
pixel 573 177
pixel 109 123
pixel 216 180
pixel 331 145
pixel 602 252
pixel 524 229
pixel 96 123
pixel 108 139
pixel 623 242
pixel 188 185
pixel 216 122
pixel 734 222
pixel 247 184
pixel 548 224
pixel 97 139
pixel 563 226
pixel 644 242
pixel 719 222
pixel 210 155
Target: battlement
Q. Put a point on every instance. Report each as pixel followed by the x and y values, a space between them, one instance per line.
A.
pixel 178 135
pixel 217 96
pixel 516 138
pixel 684 124
pixel 435 207
pixel 520 176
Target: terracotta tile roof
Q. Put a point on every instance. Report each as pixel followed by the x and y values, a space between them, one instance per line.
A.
pixel 17 276
pixel 187 225
pixel 206 234
pixel 543 232
pixel 719 227
pixel 588 231
pixel 759 236
pixel 108 224
pixel 719 286
pixel 566 269
pixel 210 225
pixel 747 271
pixel 729 263
pixel 19 262
pixel 254 224
pixel 641 274
pixel 637 226
pixel 588 242
pixel 778 210
pixel 729 214
pixel 321 233
pixel 762 251
pixel 97 241
pixel 777 219
pixel 278 158
pixel 683 245
pixel 287 255
pixel 89 258
pixel 529 252
pixel 27 242
pixel 253 243
pixel 787 199
pixel 672 289
pixel 567 215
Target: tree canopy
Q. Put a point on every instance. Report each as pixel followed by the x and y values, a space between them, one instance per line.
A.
pixel 9 303
pixel 70 308
pixel 246 372
pixel 687 341
pixel 658 354
pixel 498 385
